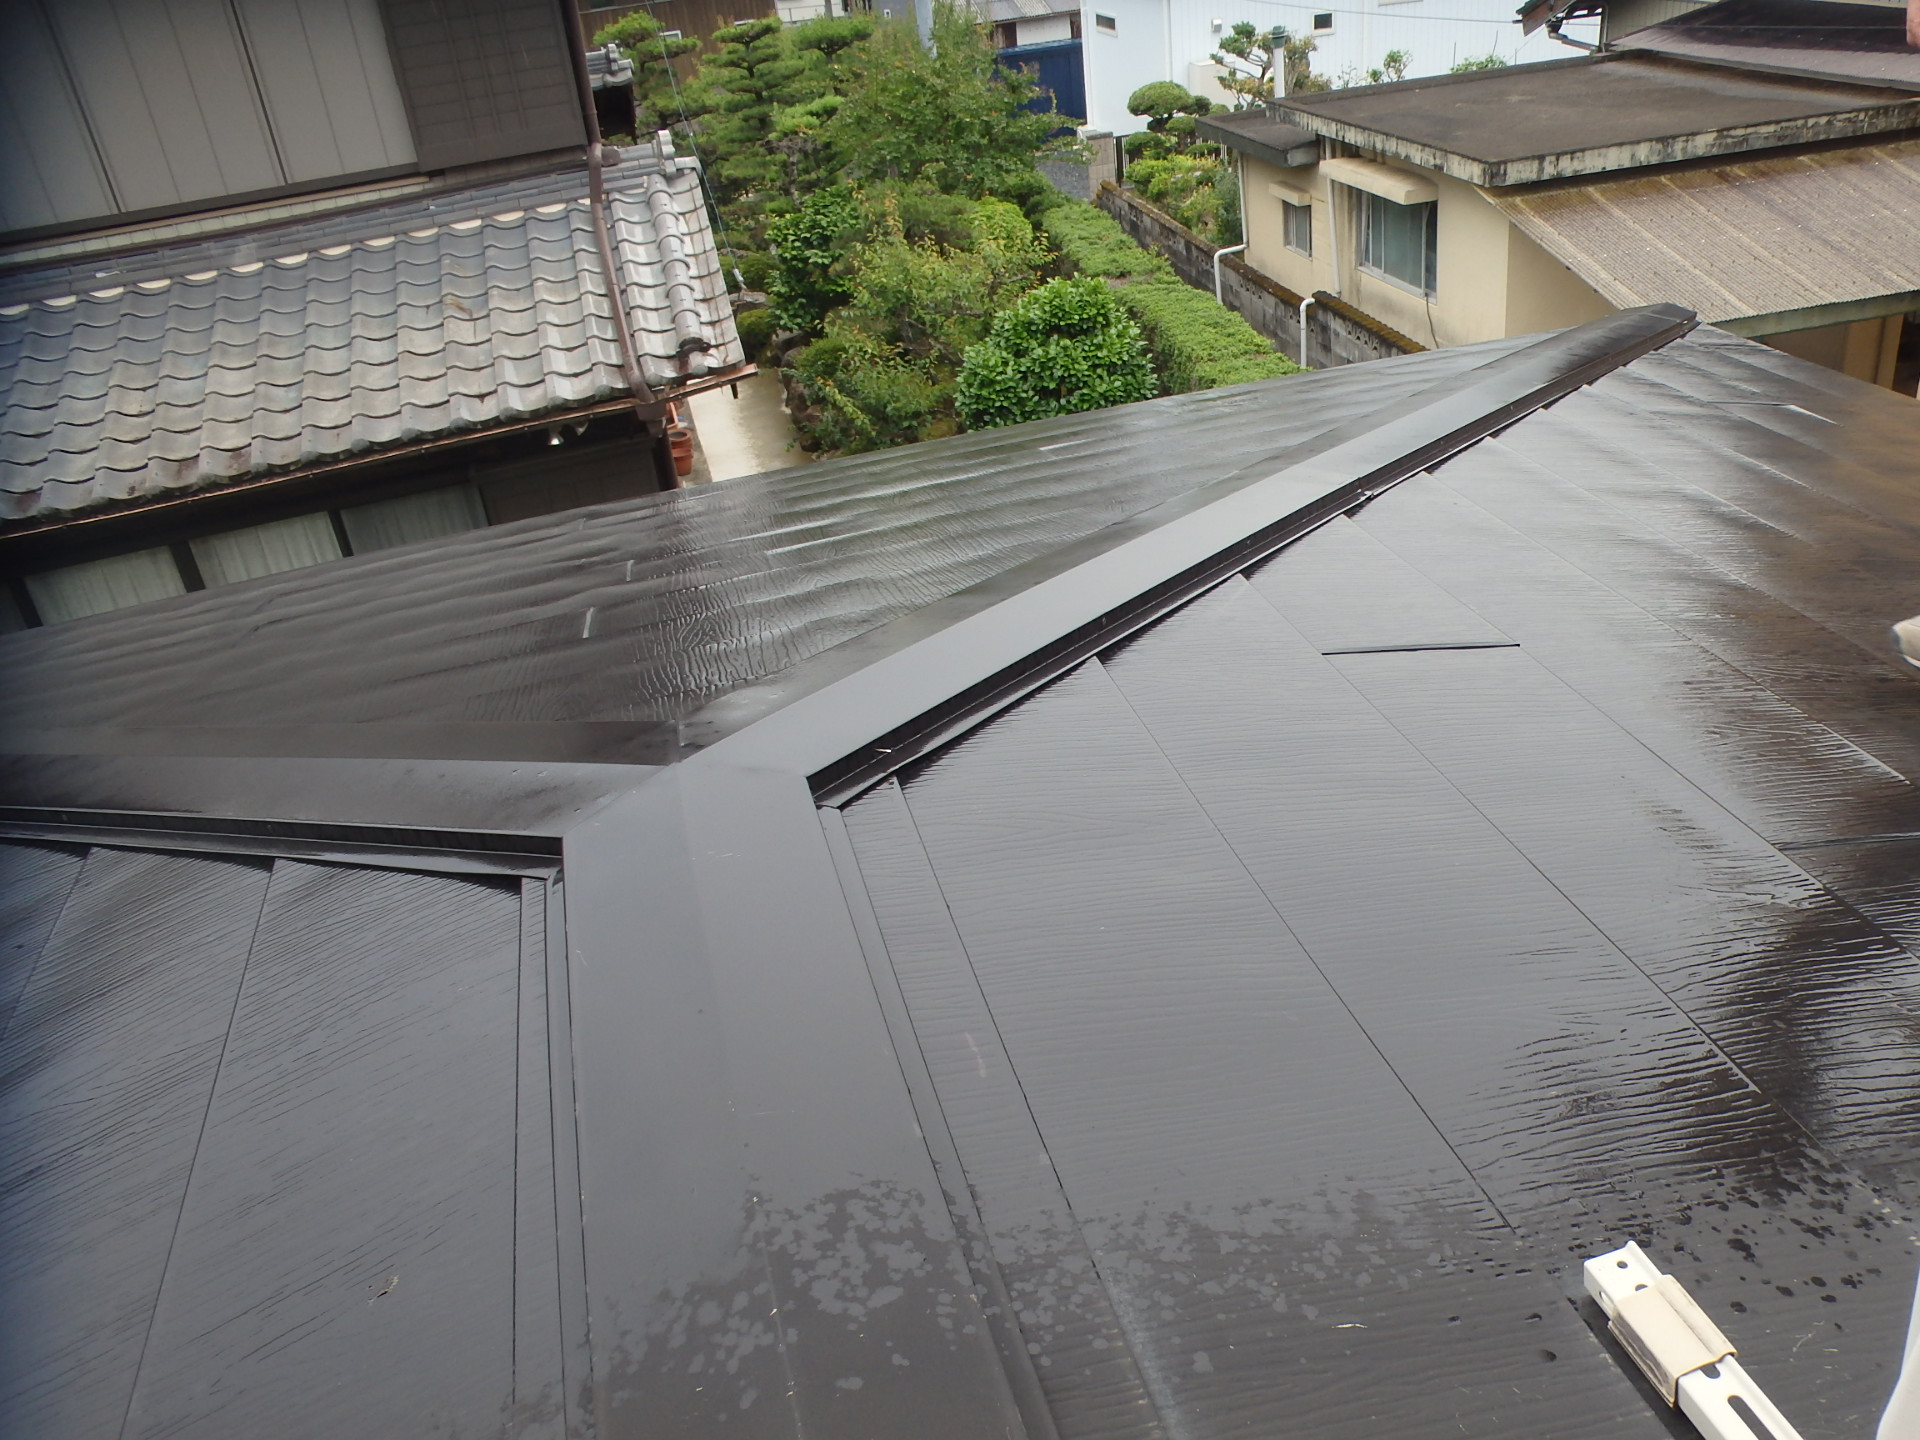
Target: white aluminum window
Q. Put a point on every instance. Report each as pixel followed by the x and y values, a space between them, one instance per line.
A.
pixel 1399 241
pixel 1296 227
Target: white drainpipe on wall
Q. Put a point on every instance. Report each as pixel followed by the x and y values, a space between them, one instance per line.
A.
pixel 1219 278
pixel 1303 328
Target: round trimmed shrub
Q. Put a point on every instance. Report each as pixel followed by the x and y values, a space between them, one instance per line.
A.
pixel 1063 348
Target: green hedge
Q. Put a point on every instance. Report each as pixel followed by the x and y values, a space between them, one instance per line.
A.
pixel 1197 343
pixel 1091 242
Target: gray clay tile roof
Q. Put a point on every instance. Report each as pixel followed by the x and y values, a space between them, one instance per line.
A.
pixel 206 365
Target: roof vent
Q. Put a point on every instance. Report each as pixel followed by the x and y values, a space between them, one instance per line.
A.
pixel 1906 639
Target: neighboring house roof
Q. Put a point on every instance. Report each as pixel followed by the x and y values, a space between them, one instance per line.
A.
pixel 213 362
pixel 608 66
pixel 1257 132
pixel 1592 114
pixel 1028 9
pixel 1753 244
pixel 1794 37
pixel 1206 962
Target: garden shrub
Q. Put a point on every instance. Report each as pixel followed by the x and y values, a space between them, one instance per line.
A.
pixel 1198 343
pixel 1063 348
pixel 756 331
pixel 867 395
pixel 1188 187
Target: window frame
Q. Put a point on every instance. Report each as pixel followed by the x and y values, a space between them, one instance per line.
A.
pixel 1368 245
pixel 1295 219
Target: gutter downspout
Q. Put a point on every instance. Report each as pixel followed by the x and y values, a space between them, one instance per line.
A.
pixel 1219 279
pixel 647 407
pixel 1303 330
pixel 1333 234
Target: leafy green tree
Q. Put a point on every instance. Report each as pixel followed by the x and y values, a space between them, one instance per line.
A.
pixel 1489 61
pixel 1063 348
pixel 883 373
pixel 643 40
pixel 811 258
pixel 945 114
pixel 1391 70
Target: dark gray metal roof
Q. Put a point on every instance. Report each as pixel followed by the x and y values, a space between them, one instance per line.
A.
pixel 1592 114
pixel 1795 37
pixel 1261 946
pixel 1259 134
pixel 644 611
pixel 209 363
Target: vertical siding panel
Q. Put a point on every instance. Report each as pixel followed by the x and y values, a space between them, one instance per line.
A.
pixel 328 86
pixel 49 170
pixel 170 95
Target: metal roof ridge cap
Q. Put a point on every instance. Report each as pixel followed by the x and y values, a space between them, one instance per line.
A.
pixel 836 725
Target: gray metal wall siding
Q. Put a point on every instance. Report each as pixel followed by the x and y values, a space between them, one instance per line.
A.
pixel 121 106
pixel 484 80
pixel 171 97
pixel 49 169
pixel 328 85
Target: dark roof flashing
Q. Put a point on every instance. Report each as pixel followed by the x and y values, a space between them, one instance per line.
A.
pixel 1262 135
pixel 1595 114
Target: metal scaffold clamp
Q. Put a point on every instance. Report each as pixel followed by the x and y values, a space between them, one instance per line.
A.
pixel 1680 1351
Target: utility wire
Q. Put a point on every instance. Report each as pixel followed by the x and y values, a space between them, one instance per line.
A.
pixel 706 184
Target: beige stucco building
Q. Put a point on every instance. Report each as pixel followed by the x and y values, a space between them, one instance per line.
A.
pixel 1467 208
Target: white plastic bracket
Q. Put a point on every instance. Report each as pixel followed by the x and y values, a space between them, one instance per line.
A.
pixel 1680 1351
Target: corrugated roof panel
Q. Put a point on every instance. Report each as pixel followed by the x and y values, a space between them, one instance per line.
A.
pixel 1738 240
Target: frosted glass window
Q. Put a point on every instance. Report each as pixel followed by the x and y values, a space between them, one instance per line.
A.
pixel 266 549
pixel 102 585
pixel 387 523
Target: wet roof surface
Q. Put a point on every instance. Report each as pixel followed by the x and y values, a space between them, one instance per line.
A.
pixel 1493 876
pixel 210 362
pixel 645 610
pixel 1566 106
pixel 1808 37
pixel 1291 994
